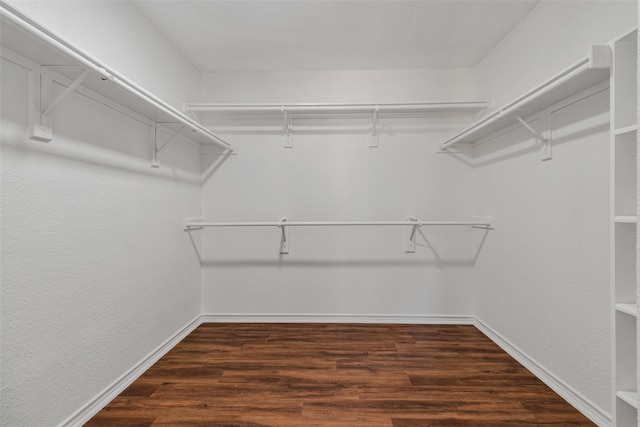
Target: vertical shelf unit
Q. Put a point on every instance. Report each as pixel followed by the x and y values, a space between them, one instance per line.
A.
pixel 624 233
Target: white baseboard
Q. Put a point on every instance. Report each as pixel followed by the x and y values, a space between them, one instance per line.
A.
pixel 581 403
pixel 567 392
pixel 94 406
pixel 337 318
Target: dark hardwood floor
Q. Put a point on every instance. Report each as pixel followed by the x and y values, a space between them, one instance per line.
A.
pixel 334 375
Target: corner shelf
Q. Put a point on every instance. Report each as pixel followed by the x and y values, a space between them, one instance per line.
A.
pixel 626 219
pixel 30 40
pixel 628 397
pixel 626 130
pixel 630 309
pixel 571 81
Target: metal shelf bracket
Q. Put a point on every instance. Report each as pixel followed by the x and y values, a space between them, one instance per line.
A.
pixel 42 86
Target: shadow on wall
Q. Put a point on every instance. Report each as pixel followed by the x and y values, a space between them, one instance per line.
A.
pixel 85 153
pixel 211 162
pixel 284 260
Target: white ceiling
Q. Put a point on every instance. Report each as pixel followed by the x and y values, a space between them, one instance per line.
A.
pixel 244 35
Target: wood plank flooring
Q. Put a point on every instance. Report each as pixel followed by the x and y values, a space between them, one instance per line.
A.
pixel 337 375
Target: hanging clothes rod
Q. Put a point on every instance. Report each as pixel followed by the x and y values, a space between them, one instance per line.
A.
pixel 105 73
pixel 337 108
pixel 418 223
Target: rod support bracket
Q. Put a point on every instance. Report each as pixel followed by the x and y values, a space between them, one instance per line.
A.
pixel 545 141
pixel 284 242
pixel 410 236
pixel 373 140
pixel 288 128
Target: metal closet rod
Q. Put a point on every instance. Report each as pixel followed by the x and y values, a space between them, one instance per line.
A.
pixel 53 40
pixel 311 107
pixel 479 223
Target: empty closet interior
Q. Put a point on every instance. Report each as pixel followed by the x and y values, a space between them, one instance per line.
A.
pixel 166 164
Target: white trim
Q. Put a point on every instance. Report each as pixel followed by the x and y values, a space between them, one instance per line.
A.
pixel 94 406
pixel 576 399
pixel 336 318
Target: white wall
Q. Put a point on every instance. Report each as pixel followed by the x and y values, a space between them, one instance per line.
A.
pixel 542 281
pixel 333 175
pixel 120 36
pixel 553 36
pixel 338 86
pixel 96 270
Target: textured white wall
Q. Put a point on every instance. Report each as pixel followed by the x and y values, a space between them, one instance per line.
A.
pixel 96 270
pixel 337 86
pixel 552 37
pixel 119 35
pixel 335 176
pixel 542 280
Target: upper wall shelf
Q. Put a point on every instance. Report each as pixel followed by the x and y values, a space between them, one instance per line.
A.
pixel 22 35
pixel 287 112
pixel 582 75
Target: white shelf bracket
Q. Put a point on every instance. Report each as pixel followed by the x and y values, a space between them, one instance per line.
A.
pixel 153 137
pixel 410 236
pixel 42 87
pixel 155 163
pixel 284 242
pixel 171 138
pixel 54 103
pixel 288 127
pixel 373 140
pixel 546 142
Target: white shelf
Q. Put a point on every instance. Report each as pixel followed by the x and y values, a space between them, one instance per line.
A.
pixel 626 130
pixel 626 219
pixel 30 40
pixel 628 397
pixel 630 309
pixel 563 85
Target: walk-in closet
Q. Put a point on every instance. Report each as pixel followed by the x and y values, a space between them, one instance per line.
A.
pixel 319 213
